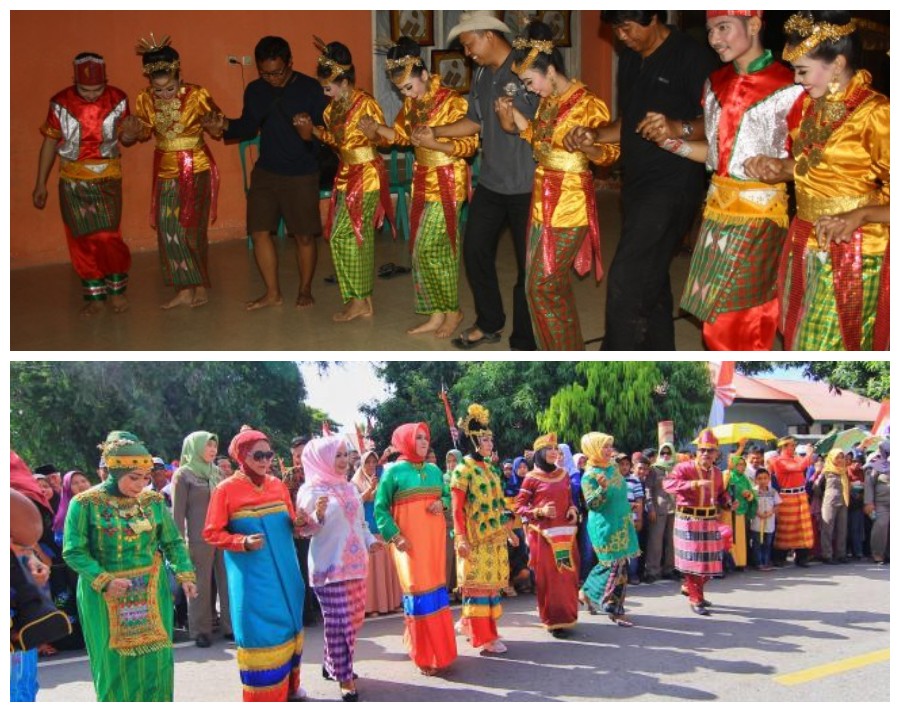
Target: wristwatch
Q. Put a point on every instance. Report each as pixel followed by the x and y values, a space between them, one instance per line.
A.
pixel 687 129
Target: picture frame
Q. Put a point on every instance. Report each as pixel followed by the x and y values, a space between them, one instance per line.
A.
pixel 416 24
pixel 560 21
pixel 453 69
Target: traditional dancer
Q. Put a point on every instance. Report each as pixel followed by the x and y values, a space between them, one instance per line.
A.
pixel 409 509
pixel 699 494
pixel 117 537
pixel 834 278
pixel 794 530
pixel 545 501
pixel 564 230
pixel 440 184
pixel 83 126
pixel 186 179
pixel 360 198
pixel 252 518
pixel 732 281
pixel 610 527
pixel 481 526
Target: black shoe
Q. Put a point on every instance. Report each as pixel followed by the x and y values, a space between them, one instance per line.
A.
pixel 229 636
pixel 326 675
pixel 650 579
pixel 705 603
pixel 559 633
pixel 700 610
pixel 464 342
pixel 804 564
pixel 202 641
pixel 350 696
pixel 634 581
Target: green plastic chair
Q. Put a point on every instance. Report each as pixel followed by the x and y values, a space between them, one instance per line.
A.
pixel 244 148
pixel 400 185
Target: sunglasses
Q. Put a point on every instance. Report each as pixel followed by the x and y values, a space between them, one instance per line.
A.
pixel 706 450
pixel 262 456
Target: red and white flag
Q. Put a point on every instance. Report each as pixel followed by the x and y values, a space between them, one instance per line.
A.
pixel 724 393
pixel 882 426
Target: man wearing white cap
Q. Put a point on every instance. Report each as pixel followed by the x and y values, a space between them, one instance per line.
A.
pixel 503 194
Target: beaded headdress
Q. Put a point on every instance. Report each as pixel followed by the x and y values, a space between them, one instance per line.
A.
pixel 712 14
pixel 475 422
pixel 536 47
pixel 409 62
pixel 152 45
pixel 124 452
pixel 814 33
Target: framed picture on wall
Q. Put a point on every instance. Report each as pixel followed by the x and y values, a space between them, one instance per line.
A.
pixel 560 21
pixel 416 24
pixel 453 69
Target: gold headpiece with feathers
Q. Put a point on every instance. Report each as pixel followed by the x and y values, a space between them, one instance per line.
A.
pixel 334 68
pixel 146 46
pixel 536 46
pixel 475 422
pixel 409 62
pixel 815 33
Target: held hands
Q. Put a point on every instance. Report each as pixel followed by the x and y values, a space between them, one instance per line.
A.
pixel 837 228
pixel 656 128
pixel 130 127
pixel 213 123
pixel 377 545
pixel 766 169
pixel 304 125
pixel 254 541
pixel 300 520
pixel 504 108
pixel 118 587
pixel 190 590
pixel 369 127
pixel 579 138
pixel 423 137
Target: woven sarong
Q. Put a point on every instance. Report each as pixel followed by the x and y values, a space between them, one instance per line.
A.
pixel 343 609
pixel 354 260
pixel 90 206
pixel 698 545
pixel 435 263
pixel 793 527
pixel 183 251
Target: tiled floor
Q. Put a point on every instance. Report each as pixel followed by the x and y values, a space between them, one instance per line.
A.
pixel 46 300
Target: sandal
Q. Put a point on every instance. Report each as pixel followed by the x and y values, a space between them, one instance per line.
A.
pixel 466 342
pixel 386 271
pixel 621 621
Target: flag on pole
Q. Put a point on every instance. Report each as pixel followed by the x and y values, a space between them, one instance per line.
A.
pixel 882 426
pixel 724 393
pixel 454 433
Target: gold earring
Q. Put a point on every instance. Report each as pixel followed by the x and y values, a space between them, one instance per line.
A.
pixel 834 86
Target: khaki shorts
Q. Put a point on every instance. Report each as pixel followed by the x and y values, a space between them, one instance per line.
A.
pixel 292 197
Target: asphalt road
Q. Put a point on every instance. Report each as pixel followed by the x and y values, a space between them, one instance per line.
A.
pixel 765 627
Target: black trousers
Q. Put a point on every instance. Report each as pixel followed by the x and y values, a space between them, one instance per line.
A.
pixel 489 213
pixel 639 302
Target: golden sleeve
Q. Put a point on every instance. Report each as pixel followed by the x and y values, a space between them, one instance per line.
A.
pixel 453 110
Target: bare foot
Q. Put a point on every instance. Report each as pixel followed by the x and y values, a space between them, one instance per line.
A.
pixel 264 302
pixel 451 323
pixel 119 303
pixel 305 300
pixel 182 298
pixel 430 326
pixel 200 297
pixel 92 308
pixel 357 308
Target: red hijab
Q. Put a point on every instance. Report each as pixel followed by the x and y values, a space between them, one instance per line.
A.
pixel 22 480
pixel 242 444
pixel 404 441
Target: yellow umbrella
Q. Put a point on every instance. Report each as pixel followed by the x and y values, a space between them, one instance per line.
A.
pixel 736 431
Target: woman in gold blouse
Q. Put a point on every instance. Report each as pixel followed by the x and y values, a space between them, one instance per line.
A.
pixel 440 184
pixel 835 273
pixel 564 230
pixel 186 184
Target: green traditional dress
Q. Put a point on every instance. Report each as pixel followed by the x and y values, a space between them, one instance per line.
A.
pixel 737 483
pixel 612 534
pixel 129 639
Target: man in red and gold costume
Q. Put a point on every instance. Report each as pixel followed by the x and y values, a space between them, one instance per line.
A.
pixel 700 493
pixel 82 126
pixel 794 530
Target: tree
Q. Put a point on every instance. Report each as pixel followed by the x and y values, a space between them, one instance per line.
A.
pixel 871 378
pixel 628 399
pixel 60 411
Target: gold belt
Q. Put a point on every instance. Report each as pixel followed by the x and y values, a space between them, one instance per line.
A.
pixel 184 143
pixel 90 169
pixel 747 198
pixel 433 159
pixel 355 156
pixel 563 161
pixel 811 208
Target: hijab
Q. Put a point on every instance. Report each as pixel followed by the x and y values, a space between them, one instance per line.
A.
pixel 592 444
pixel 59 521
pixel 540 461
pixel 404 441
pixel 361 478
pixel 124 453
pixel 831 467
pixel 567 461
pixel 881 463
pixel 21 479
pixel 192 450
pixel 241 445
pixel 459 458
pixel 661 463
pixel 318 465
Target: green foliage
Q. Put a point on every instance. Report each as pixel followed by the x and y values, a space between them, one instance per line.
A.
pixel 871 378
pixel 60 411
pixel 628 399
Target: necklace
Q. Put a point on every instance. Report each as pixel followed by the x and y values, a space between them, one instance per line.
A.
pixel 823 116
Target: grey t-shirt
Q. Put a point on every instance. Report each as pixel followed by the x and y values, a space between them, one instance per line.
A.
pixel 507 165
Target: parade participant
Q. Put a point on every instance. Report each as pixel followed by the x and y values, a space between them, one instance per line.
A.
pixel 699 493
pixel 251 517
pixel 409 509
pixel 877 498
pixel 116 538
pixel 564 231
pixel 659 558
pixel 610 527
pixel 732 281
pixel 835 484
pixel 192 487
pixel 451 460
pixel 185 176
pixel 440 183
pixel 660 69
pixel 834 278
pixel 743 508
pixel 83 126
pixel 503 194
pixel 338 553
pixel 545 502
pixel 481 527
pixel 794 531
pixel 360 198
pixel 285 180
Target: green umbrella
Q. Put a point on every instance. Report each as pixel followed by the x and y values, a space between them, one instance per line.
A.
pixel 844 440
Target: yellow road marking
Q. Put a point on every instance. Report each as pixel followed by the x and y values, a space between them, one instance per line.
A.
pixel 813 673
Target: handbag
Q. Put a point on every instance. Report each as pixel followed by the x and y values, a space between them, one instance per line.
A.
pixel 35 619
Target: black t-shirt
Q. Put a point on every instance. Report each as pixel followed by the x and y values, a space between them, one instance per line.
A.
pixel 269 111
pixel 670 81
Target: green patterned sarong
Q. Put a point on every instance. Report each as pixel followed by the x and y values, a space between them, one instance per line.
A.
pixel 183 251
pixel 354 264
pixel 90 206
pixel 435 267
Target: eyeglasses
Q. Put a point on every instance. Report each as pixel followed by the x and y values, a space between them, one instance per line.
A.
pixel 274 75
pixel 706 450
pixel 262 456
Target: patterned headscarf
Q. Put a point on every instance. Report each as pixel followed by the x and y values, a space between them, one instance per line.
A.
pixel 318 461
pixel 592 444
pixel 242 444
pixel 124 453
pixel 192 457
pixel 404 441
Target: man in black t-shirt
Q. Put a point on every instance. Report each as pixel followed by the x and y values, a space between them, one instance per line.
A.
pixel 660 70
pixel 281 107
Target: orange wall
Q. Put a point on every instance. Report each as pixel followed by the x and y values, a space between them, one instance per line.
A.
pixel 44 43
pixel 42 47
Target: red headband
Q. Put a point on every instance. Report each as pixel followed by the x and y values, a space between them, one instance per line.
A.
pixel 90 71
pixel 710 14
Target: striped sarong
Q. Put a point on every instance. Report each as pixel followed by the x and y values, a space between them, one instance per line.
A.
pixel 480 613
pixel 698 545
pixel 90 206
pixel 344 609
pixel 794 523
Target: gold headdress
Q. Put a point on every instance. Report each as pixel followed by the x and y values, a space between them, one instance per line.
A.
pixel 547 440
pixel 814 33
pixel 536 46
pixel 152 45
pixel 409 62
pixel 334 68
pixel 475 422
